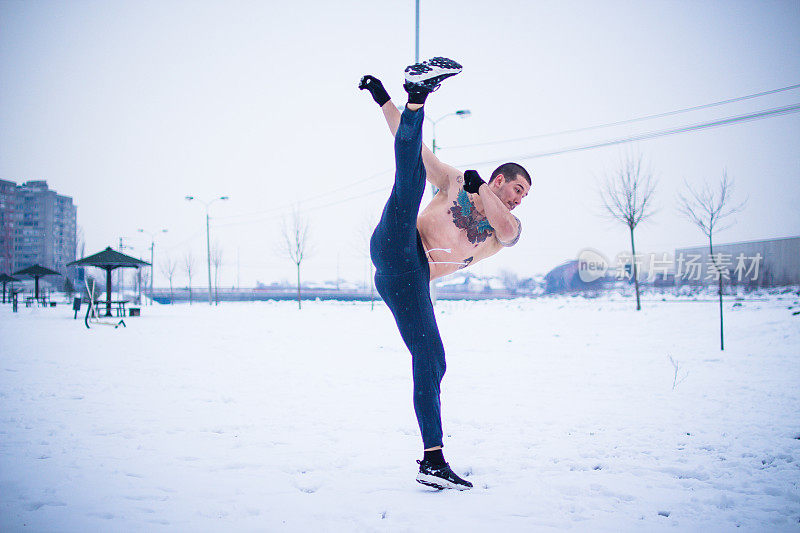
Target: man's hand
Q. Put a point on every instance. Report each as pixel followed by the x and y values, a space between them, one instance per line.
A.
pixel 472 181
pixel 375 88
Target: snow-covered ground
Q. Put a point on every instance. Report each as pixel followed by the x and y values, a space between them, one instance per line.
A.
pixel 260 417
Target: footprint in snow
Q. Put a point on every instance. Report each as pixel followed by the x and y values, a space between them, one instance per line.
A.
pixel 307 482
pixel 35 506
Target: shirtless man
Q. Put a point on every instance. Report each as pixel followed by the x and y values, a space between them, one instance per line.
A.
pixel 468 220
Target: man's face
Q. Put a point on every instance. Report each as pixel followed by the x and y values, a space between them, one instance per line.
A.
pixel 512 192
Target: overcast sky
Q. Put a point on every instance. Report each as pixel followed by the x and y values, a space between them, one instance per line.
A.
pixel 128 107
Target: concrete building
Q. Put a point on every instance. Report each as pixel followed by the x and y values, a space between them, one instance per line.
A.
pixel 38 227
pixel 8 225
pixel 752 263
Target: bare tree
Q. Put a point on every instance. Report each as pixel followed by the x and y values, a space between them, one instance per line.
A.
pixel 138 286
pixel 295 243
pixel 216 262
pixel 144 282
pixel 80 251
pixel 188 268
pixel 80 242
pixel 168 266
pixel 627 196
pixel 708 210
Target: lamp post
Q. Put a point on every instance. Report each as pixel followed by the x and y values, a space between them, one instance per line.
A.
pixel 152 254
pixel 208 238
pixel 463 113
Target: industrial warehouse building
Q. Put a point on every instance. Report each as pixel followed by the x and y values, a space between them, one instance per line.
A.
pixel 764 263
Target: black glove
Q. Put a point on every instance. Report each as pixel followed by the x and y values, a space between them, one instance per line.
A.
pixel 375 88
pixel 472 181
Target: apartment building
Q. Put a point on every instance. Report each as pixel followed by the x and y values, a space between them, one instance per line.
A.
pixel 37 226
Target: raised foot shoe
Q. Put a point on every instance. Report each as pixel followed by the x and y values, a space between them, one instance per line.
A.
pixel 440 476
pixel 429 74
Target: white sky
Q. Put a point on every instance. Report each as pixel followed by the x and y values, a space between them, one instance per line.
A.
pixel 130 106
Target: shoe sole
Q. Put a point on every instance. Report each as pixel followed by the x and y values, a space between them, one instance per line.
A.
pixel 432 71
pixel 439 483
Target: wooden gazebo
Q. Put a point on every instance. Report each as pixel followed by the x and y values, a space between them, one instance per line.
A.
pixel 36 272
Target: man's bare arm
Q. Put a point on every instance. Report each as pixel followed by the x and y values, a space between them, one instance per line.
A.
pixel 438 173
pixel 506 226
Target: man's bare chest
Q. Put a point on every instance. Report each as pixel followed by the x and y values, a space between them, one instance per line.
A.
pixel 464 216
pixel 453 222
pixel 454 233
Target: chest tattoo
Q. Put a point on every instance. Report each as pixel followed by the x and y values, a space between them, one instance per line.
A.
pixel 467 218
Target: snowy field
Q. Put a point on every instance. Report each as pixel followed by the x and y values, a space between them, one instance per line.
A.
pixel 260 417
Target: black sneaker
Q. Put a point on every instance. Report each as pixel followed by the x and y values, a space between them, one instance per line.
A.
pixel 428 75
pixel 440 476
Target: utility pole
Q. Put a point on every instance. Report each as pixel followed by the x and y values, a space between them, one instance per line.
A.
pixel 416 34
pixel 121 275
pixel 208 238
pixel 152 264
pixel 152 257
pixel 208 255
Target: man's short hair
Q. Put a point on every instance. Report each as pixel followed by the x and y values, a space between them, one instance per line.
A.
pixel 511 171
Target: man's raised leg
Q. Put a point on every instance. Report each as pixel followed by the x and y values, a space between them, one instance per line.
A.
pixel 403 275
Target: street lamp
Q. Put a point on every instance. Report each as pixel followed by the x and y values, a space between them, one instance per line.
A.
pixel 152 253
pixel 208 238
pixel 463 113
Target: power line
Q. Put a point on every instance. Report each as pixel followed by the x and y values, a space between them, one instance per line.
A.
pixel 628 121
pixel 174 246
pixel 695 127
pixel 728 121
pixel 327 193
pixel 768 113
pixel 382 189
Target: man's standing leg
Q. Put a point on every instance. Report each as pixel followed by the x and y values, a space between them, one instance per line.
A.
pixel 403 276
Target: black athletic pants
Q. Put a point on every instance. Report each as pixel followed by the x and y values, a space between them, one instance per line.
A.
pixel 402 276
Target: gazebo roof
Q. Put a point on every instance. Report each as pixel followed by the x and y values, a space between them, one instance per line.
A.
pixel 5 278
pixel 36 271
pixel 109 258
